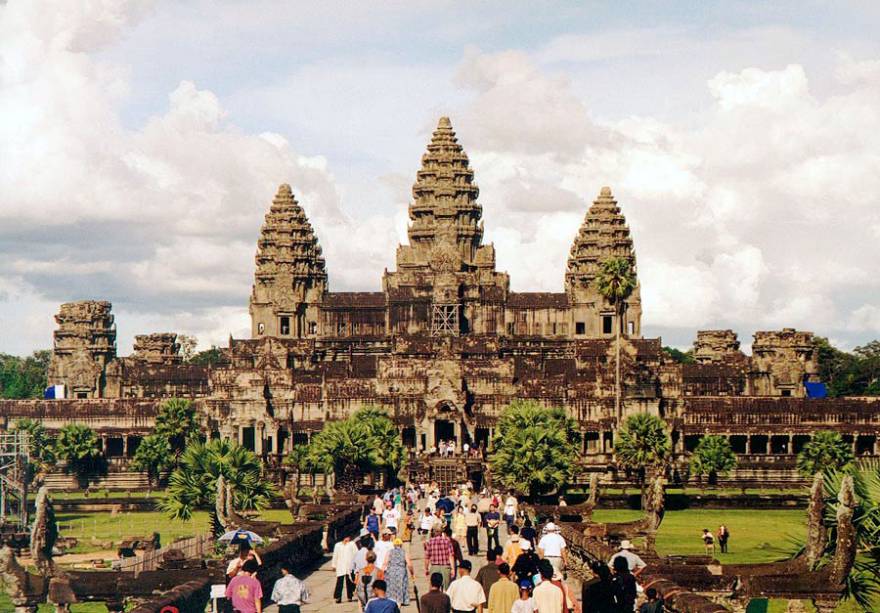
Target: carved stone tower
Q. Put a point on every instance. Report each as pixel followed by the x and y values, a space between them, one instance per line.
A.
pixel 445 273
pixel 85 342
pixel 782 361
pixel 291 277
pixel 603 234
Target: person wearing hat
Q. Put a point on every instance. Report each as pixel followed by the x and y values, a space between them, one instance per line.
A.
pixel 344 552
pixel 552 547
pixel 466 594
pixel 635 563
pixel 383 548
pixel 398 574
pixel 504 592
pixel 526 565
pixel 525 603
pixel 380 603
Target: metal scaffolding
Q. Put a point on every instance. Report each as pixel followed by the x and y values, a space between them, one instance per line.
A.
pixel 14 449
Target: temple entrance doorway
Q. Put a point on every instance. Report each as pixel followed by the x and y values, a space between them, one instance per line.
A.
pixel 444 430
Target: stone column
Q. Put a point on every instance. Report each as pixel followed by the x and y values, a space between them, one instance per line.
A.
pixel 790 448
pixel 125 446
pixel 104 444
pixel 748 444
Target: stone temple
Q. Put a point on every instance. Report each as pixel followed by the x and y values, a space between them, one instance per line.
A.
pixel 444 347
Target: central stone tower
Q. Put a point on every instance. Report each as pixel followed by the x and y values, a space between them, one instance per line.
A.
pixel 445 283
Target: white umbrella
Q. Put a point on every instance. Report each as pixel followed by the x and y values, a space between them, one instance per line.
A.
pixel 241 536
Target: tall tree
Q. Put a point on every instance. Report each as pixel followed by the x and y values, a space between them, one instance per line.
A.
pixel 713 456
pixel 193 484
pixel 153 456
pixel 825 451
pixel 366 441
pixel 616 281
pixel 534 448
pixel 24 377
pixel 643 444
pixel 77 446
pixel 178 423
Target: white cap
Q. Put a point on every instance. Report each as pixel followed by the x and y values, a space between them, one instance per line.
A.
pixel 524 545
pixel 550 527
pixel 625 544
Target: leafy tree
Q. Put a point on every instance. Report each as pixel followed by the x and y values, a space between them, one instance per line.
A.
pixel 616 281
pixel 209 357
pixel 643 444
pixel 534 448
pixel 825 451
pixel 177 422
pixel 682 357
pixel 301 462
pixel 713 457
pixel 77 445
pixel 367 441
pixel 41 449
pixel 863 584
pixel 193 484
pixel 850 374
pixel 153 456
pixel 24 377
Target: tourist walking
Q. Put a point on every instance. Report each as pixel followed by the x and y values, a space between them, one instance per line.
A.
pixel 398 573
pixel 364 579
pixel 708 541
pixel 383 548
pixel 723 536
pixel 526 566
pixel 244 590
pixel 439 556
pixel 435 601
pixel 503 593
pixel 528 532
pixel 465 594
pixel 569 601
pixel 599 591
pixel 472 533
pixel 525 603
pixel 510 508
pixel 344 553
pixel 391 517
pixel 623 587
pixel 245 553
pixel 380 603
pixel 456 548
pixel 512 550
pixel 548 597
pixel 635 563
pixel 290 593
pixel 373 520
pixel 426 522
pixel 459 525
pixel 493 520
pixel 552 547
pixel 654 604
pixel 489 573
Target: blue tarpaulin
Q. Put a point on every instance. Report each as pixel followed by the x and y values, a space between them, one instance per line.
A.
pixel 816 390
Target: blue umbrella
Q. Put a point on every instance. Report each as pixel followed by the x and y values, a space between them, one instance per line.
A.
pixel 241 536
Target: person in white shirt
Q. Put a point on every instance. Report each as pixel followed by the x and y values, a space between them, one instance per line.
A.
pixel 391 517
pixel 510 506
pixel 378 505
pixel 636 564
pixel 552 547
pixel 343 560
pixel 466 594
pixel 383 548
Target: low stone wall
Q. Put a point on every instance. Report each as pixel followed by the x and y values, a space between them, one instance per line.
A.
pixel 190 596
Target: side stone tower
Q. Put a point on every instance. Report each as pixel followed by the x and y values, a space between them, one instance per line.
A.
pixel 291 277
pixel 160 348
pixel 84 345
pixel 445 283
pixel 603 234
pixel 782 361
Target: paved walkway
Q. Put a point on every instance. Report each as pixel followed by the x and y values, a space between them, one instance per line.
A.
pixel 322 580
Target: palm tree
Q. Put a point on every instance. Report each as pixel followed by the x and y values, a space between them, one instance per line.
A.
pixel 299 460
pixel 176 421
pixel 863 584
pixel 643 444
pixel 825 451
pixel 534 449
pixel 153 455
pixel 366 441
pixel 616 281
pixel 193 484
pixel 77 446
pixel 713 456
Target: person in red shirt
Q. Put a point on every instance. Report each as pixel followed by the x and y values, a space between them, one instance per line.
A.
pixel 245 591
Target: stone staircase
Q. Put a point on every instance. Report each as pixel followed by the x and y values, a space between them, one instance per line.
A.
pixel 111 481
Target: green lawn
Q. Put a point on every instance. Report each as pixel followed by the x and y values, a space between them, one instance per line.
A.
pixel 89 607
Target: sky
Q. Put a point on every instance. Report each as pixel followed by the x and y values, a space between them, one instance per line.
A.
pixel 141 142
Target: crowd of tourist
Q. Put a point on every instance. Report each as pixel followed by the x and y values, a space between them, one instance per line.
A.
pixel 524 574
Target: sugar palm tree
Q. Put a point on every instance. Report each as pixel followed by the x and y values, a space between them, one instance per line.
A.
pixel 643 444
pixel 77 445
pixel 193 484
pixel 534 449
pixel 713 456
pixel 825 451
pixel 616 281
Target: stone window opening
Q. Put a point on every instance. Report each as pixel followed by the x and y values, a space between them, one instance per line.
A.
pixel 285 326
pixel 261 328
pixel 607 324
pixel 313 327
pixel 580 328
pixel 444 320
pixel 631 327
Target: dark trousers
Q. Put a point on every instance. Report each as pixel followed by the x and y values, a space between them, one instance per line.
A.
pixel 288 608
pixel 723 543
pixel 492 535
pixel 349 587
pixel 473 540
